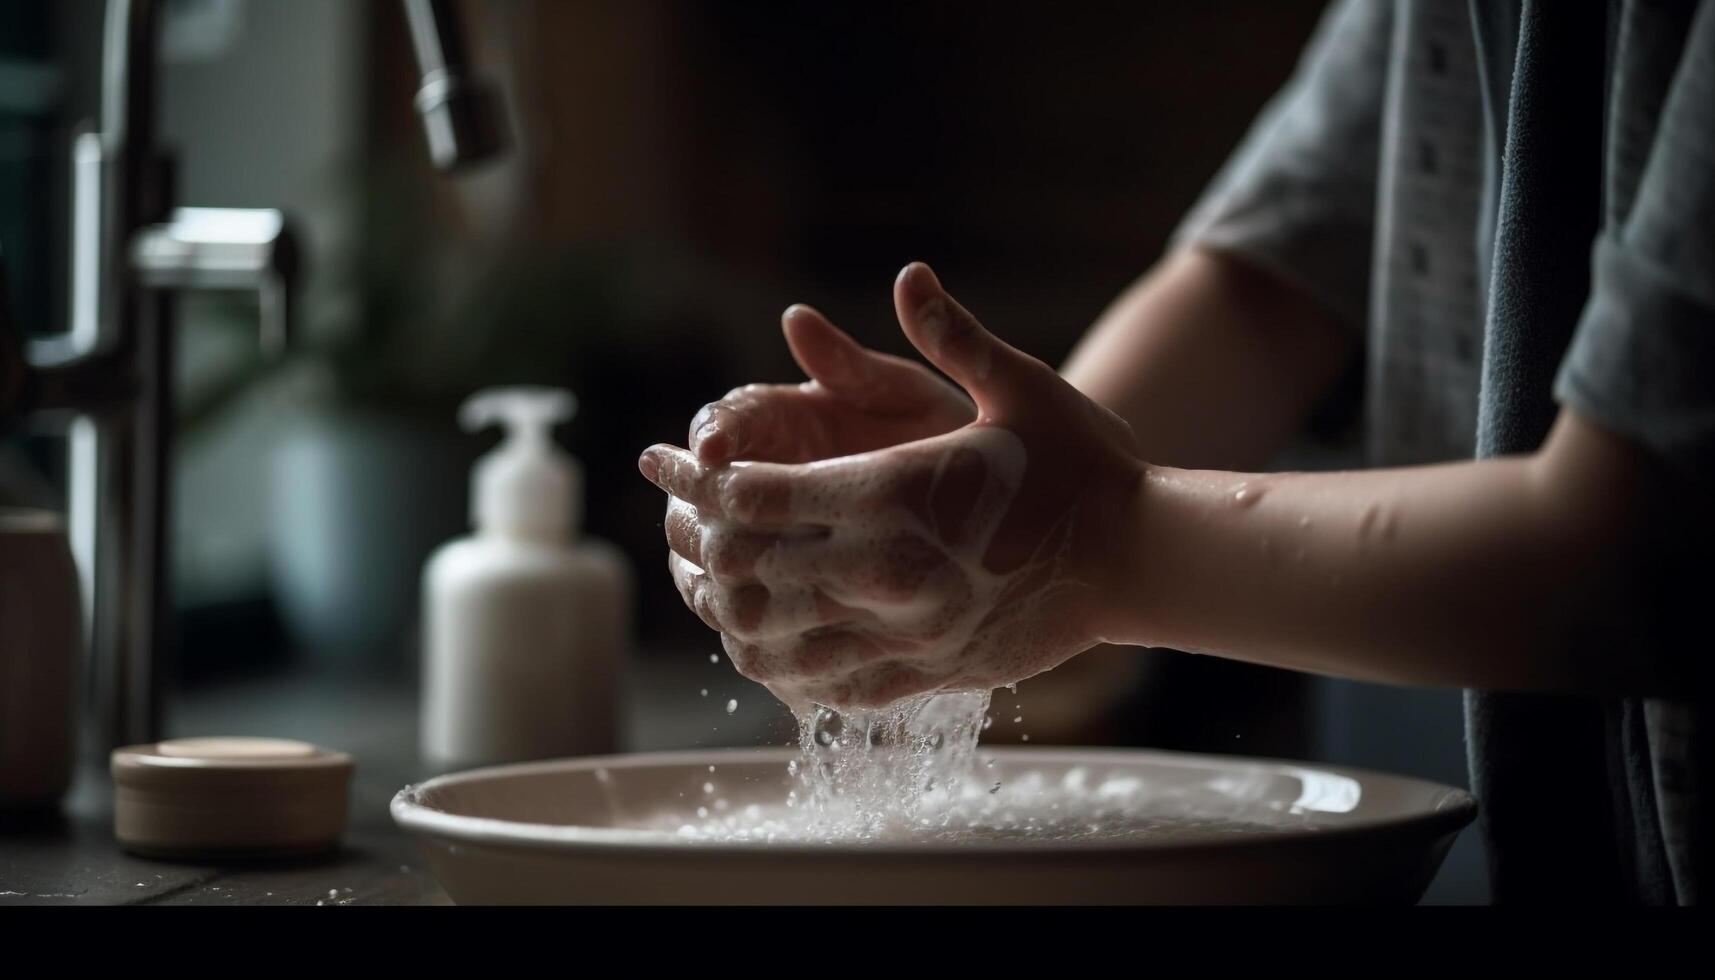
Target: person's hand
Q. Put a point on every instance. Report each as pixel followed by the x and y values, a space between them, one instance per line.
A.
pixel 962 561
pixel 856 400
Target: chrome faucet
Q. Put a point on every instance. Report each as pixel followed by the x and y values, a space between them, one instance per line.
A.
pixel 109 376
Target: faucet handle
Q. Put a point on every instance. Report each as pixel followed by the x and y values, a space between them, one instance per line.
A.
pixel 224 248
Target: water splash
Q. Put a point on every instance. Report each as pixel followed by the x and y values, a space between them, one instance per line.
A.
pixel 871 773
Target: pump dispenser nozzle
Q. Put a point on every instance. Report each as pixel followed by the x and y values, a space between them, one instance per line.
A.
pixel 526 487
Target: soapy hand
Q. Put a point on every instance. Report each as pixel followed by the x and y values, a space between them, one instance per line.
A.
pixel 846 570
pixel 856 400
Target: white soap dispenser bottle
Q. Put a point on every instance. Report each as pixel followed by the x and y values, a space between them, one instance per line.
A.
pixel 525 623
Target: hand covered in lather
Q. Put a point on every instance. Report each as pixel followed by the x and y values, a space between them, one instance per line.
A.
pixel 867 536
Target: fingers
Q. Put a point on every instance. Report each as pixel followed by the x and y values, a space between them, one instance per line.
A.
pixel 794 423
pixel 752 612
pixel 680 474
pixel 724 550
pixel 942 483
pixel 863 378
pixel 819 654
pixel 876 573
pixel 880 684
pixel 825 352
pixel 1000 377
pixel 877 683
pixel 756 494
pixel 718 430
pixel 692 584
pixel 833 492
pixel 846 577
pixel 772 423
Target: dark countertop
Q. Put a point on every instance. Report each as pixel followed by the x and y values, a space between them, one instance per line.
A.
pixel 72 858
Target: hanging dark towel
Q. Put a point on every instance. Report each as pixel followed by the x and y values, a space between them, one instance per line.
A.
pixel 1539 763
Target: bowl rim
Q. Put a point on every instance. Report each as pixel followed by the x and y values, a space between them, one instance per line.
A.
pixel 1453 811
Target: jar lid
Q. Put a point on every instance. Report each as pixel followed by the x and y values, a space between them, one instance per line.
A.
pixel 229 797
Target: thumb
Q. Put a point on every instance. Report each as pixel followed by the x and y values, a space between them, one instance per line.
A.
pixel 826 353
pixel 999 377
pixel 868 379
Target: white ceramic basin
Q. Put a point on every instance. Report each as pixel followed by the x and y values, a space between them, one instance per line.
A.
pixel 573 832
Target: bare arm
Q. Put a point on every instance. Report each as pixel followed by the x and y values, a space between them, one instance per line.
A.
pixel 1213 363
pixel 1510 573
pixel 1514 573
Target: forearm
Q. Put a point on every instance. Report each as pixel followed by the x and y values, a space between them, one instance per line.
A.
pixel 1213 363
pixel 1503 574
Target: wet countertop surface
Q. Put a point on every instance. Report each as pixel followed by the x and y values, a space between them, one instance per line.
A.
pixel 71 857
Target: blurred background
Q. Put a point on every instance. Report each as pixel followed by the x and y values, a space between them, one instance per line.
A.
pixel 680 173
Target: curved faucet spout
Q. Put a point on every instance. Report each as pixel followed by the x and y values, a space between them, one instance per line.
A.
pixel 461 113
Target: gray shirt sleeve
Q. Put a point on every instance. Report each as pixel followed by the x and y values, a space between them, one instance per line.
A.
pixel 1642 362
pixel 1298 197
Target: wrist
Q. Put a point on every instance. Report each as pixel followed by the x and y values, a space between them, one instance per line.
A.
pixel 1112 533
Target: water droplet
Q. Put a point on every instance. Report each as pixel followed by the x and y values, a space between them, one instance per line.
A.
pixel 792 768
pixel 714 658
pixel 703 812
pixel 708 787
pixel 731 705
pixel 1018 719
pixel 704 692
pixel 1025 737
pixel 1367 521
pixel 828 726
pixel 987 721
pixel 711 768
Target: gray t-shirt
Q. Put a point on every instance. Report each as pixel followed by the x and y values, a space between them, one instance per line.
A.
pixel 1513 205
